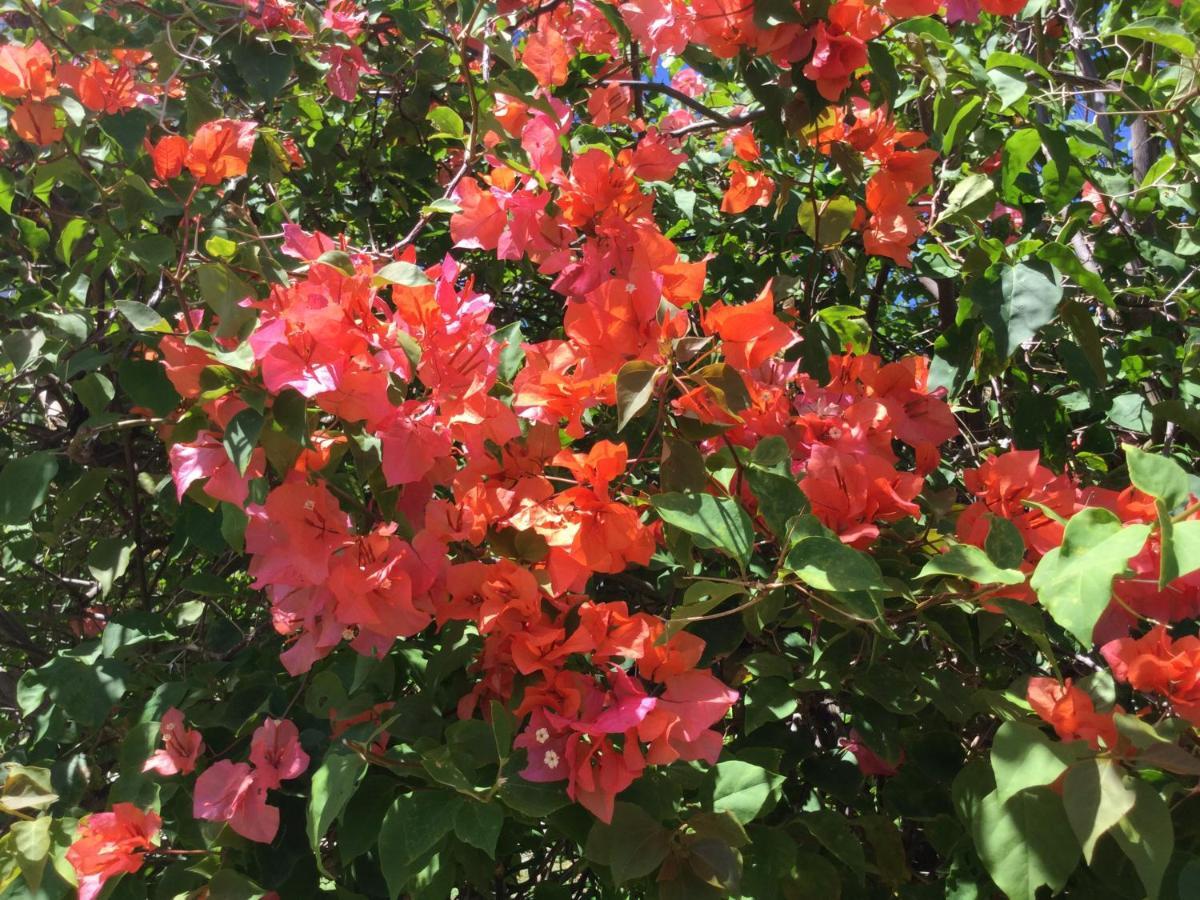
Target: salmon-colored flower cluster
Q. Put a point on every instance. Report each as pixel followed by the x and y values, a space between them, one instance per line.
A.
pixel 33 75
pixel 1017 487
pixel 218 151
pixel 237 792
pixel 181 747
pixel 108 844
pixel 1073 715
pixel 1156 664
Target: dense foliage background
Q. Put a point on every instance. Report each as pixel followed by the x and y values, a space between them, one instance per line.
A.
pixel 577 449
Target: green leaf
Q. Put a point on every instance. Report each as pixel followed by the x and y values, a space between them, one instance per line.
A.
pixel 32 840
pixel 829 565
pixel 24 484
pixel 971 563
pixel 333 785
pixel 635 388
pixel 769 700
pixel 71 233
pixel 1096 798
pixel 743 789
pixel 479 825
pixel 447 122
pixel 1026 842
pixel 1023 757
pixel 142 317
pixel 1160 477
pixel 227 884
pixel 827 222
pixel 779 498
pixel 531 798
pixel 403 273
pixel 241 437
pixel 223 293
pixel 1004 544
pixel 153 251
pixel 715 523
pixel 146 383
pixel 1185 543
pixel 832 830
pixel 1018 302
pixel 973 197
pixel 699 599
pixel 633 845
pixel 1147 836
pixel 1161 30
pixel 1066 260
pixel 241 357
pixel 1000 59
pixel 263 68
pixel 1010 86
pixel 962 122
pixel 412 827
pixel 1074 581
pixel 1019 150
pixel 108 561
pixel 25 787
pixel 96 391
pixel 1087 336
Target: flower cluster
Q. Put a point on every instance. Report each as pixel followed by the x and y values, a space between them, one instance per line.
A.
pixel 181 747
pixel 1015 486
pixel 34 76
pixel 108 844
pixel 237 792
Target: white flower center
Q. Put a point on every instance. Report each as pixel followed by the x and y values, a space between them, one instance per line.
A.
pixel 541 735
pixel 550 759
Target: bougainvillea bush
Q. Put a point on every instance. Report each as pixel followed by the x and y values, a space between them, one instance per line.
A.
pixel 596 449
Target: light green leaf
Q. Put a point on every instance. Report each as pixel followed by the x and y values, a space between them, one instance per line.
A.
pixel 1147 836
pixel 241 437
pixel 108 561
pixel 1025 843
pixel 142 317
pixel 1185 540
pixel 829 565
pixel 1018 302
pixel 32 840
pixel 333 785
pixel 743 789
pixel 1160 477
pixel 1000 59
pixel 241 357
pixel 1009 86
pixel 1074 581
pixel 447 122
pixel 715 523
pixel 1066 260
pixel 973 197
pixel 1096 798
pixel 1161 30
pixel 827 222
pixel 403 273
pixel 1023 757
pixel 971 563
